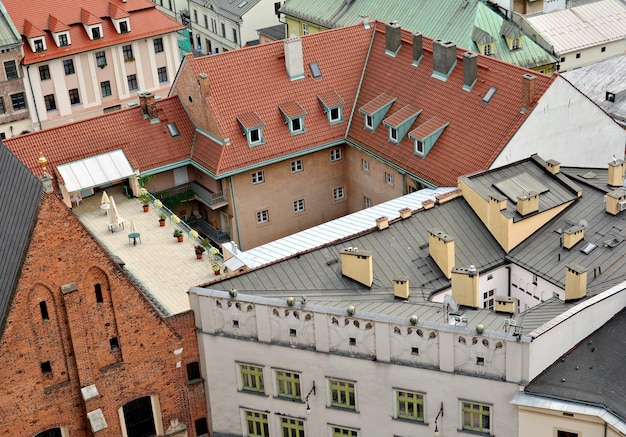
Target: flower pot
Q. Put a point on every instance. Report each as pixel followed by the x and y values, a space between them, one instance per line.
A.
pixel 146 208
pixel 217 272
pixel 180 239
pixel 198 255
pixel 161 223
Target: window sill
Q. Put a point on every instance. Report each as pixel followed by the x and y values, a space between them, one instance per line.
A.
pixel 346 409
pixel 412 421
pixel 288 399
pixel 469 431
pixel 255 393
pixel 195 381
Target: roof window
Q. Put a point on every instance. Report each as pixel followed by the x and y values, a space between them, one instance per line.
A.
pixel 252 126
pixel 171 127
pixel 489 94
pixel 426 135
pixel 293 114
pixel 400 122
pixel 315 70
pixel 332 104
pixel 375 110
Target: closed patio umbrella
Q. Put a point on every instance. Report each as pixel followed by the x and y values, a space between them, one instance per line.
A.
pixel 133 228
pixel 114 216
pixel 105 198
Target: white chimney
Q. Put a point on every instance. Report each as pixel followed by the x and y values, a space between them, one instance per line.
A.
pixel 294 61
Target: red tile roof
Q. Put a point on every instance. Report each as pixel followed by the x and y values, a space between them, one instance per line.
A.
pixel 253 79
pixel 34 15
pixel 331 99
pixel 292 109
pixel 88 18
pixel 55 25
pixel 146 145
pixel 116 12
pixel 402 115
pixel 377 102
pixel 428 127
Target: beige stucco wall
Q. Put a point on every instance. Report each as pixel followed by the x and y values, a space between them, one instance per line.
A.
pixel 540 422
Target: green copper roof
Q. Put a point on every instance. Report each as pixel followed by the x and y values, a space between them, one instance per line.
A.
pixel 449 20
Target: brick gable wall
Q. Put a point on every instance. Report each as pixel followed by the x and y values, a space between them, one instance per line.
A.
pixel 75 334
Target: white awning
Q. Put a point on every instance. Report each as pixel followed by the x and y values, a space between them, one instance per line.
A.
pixel 96 170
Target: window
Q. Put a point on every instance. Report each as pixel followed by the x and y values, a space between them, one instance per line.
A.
pixel 98 291
pixel 124 26
pixel 291 427
pixel 297 166
pixel 488 50
pixel 101 59
pixel 128 53
pixel 338 193
pixel 298 205
pixel 256 424
pixel 51 104
pixel 158 45
pixel 577 55
pixel 138 417
pixel 46 367
pixel 560 433
pixel 262 216
pixel 53 432
pixel 419 147
pixel 305 29
pixel 344 432
pixel 39 47
pixel 115 344
pixel 410 406
pixel 195 16
pixel 342 394
pixel 296 125
pixel 68 66
pixel 254 137
pixel 132 82
pixel 366 165
pixel 213 25
pixel 393 135
pixel 369 122
pixel 18 102
pixel 235 35
pixel 44 72
pixel 202 427
pixel 95 33
pixel 43 308
pixel 3 108
pixel 223 30
pixel 389 178
pixel 193 371
pixel 251 378
pixel 11 70
pixel 258 177
pixel 335 155
pixel 476 417
pixel 105 87
pixel 206 21
pixel 367 202
pixel 334 115
pixel 162 73
pixel 562 58
pixel 516 43
pixel 603 49
pixel 488 298
pixel 288 384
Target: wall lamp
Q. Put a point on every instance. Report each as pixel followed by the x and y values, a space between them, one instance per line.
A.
pixel 440 413
pixel 306 399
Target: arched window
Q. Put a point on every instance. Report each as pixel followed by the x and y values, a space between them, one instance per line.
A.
pixel 53 432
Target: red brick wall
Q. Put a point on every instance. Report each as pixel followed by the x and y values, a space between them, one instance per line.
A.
pixel 75 339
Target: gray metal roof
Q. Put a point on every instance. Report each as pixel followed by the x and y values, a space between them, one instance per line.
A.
pixel 20 193
pixel 235 9
pixel 591 373
pixel 596 79
pixel 274 32
pixel 9 35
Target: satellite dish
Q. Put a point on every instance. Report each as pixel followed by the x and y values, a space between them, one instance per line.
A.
pixel 449 305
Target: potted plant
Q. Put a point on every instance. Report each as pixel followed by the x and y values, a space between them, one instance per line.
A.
pixel 178 234
pixel 144 198
pixel 214 251
pixel 162 218
pixel 199 251
pixel 216 268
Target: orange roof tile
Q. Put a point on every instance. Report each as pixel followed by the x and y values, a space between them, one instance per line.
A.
pixel 250 120
pixel 55 25
pixel 292 109
pixel 331 99
pixel 378 102
pixel 402 115
pixel 428 127
pixel 117 12
pixel 146 21
pixel 146 145
pixel 88 18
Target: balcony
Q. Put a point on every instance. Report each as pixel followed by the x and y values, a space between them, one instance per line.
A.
pixel 192 190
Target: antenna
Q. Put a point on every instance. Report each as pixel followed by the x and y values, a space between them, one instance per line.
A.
pixel 449 306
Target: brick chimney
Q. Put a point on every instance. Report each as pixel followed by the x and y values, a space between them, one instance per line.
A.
pixel 148 106
pixel 294 61
pixel 205 87
pixel 357 264
pixel 470 70
pixel 528 90
pixel 393 38
pixel 418 50
pixel 441 250
pixel 444 58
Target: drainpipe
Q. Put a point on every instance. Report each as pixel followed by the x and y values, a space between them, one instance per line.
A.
pixel 232 195
pixel 33 94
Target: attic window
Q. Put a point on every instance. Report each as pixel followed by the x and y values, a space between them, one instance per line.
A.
pixel 332 103
pixel 488 49
pixel 171 127
pixel 252 126
pixel 123 25
pixel 489 94
pixel 294 114
pixel 426 135
pixel 315 70
pixel 375 110
pixel 400 122
pixel 589 247
pixel 38 45
pixel 62 39
pixel 96 32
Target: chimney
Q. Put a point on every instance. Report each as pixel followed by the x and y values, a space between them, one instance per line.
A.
pixel 357 264
pixel 504 304
pixel 205 88
pixel 616 201
pixel 382 223
pixel 365 20
pixel 418 49
pixel 528 90
pixel 616 172
pixel 441 250
pixel 46 179
pixel 528 203
pixel 573 235
pixel 470 70
pixel 465 286
pixel 444 56
pixel 393 35
pixel 148 106
pixel 294 61
pixel 575 282
pixel 401 287
pixel 553 166
pixel 405 213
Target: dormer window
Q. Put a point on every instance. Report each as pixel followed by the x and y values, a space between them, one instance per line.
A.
pixel 488 49
pixel 517 43
pixel 426 135
pixel 375 110
pixel 63 39
pixel 96 33
pixel 332 104
pixel 293 113
pixel 483 40
pixel 252 126
pixel 400 122
pixel 38 45
pixel 60 31
pixel 512 34
pixel 120 18
pixel 124 26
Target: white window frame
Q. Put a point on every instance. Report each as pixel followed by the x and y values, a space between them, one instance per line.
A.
pixel 90 30
pixel 389 178
pixel 32 42
pixel 298 206
pixel 369 122
pixel 419 147
pixel 297 166
pixel 258 177
pixel 339 193
pixel 335 155
pixel 488 50
pixel 249 136
pixel 393 135
pixel 366 165
pixel 262 216
pixel 57 38
pixel 296 129
pixel 338 118
pixel 517 43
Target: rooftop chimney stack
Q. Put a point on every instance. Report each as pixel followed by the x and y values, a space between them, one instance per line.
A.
pixel 401 287
pixel 205 89
pixel 357 264
pixel 393 35
pixel 365 20
pixel 465 284
pixel 470 70
pixel 148 106
pixel 573 235
pixel 418 49
pixel 294 61
pixel 441 250
pixel 528 90
pixel 528 203
pixel 616 172
pixel 575 282
pixel 444 56
pixel 553 166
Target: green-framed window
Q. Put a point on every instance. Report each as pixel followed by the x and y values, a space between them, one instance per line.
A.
pixel 251 378
pixel 256 424
pixel 291 427
pixel 476 417
pixel 344 432
pixel 342 394
pixel 288 384
pixel 410 405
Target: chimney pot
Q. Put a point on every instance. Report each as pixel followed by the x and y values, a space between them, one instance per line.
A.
pixel 470 70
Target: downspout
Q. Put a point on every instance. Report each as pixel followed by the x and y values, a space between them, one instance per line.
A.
pixel 232 194
pixel 32 92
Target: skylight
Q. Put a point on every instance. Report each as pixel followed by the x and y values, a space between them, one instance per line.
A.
pixel 489 94
pixel 315 70
pixel 173 129
pixel 242 4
